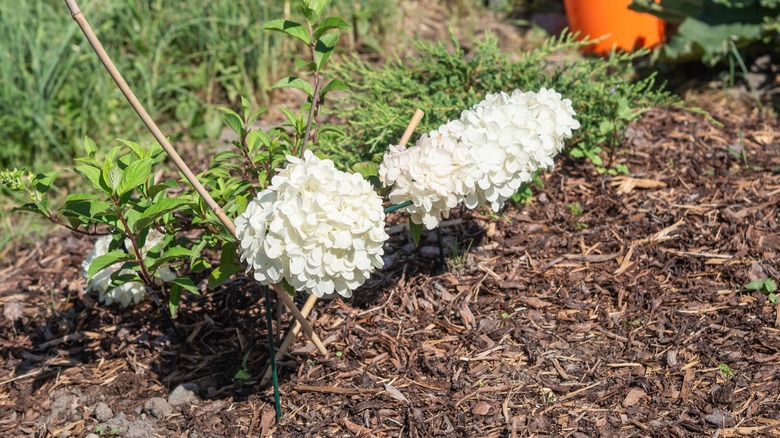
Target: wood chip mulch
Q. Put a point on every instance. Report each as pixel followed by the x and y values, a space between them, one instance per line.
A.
pixel 608 306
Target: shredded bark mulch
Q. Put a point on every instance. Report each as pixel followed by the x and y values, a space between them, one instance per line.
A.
pixel 608 306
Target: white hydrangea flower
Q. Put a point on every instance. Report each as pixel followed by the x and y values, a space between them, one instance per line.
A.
pixel 127 293
pixel 482 158
pixel 431 174
pixel 316 227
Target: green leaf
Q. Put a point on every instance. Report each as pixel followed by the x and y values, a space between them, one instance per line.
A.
pixel 335 84
pixel 255 115
pixel 245 107
pixel 106 260
pixel 92 174
pixel 187 284
pixel 242 375
pixel 324 48
pixel 172 253
pixel 291 28
pixel 415 231
pixel 766 285
pixel 367 169
pixel 85 205
pixel 227 265
pixel 255 139
pixel 161 208
pixel 174 296
pixel 233 120
pixel 89 147
pixel 43 181
pixel 134 175
pixel 137 149
pixel 329 23
pixel 295 82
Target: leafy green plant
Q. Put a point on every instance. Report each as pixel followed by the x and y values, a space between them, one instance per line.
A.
pixel 128 201
pixel 766 286
pixel 443 81
pixel 707 29
pixel 726 371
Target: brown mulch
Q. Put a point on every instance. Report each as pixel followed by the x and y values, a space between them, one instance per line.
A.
pixel 625 319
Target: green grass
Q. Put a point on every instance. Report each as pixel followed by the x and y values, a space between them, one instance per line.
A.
pixel 179 60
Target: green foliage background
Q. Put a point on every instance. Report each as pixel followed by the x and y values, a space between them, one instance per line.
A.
pixel 443 81
pixel 179 57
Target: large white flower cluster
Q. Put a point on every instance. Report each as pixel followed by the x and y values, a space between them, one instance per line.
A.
pixel 316 227
pixel 482 158
pixel 127 293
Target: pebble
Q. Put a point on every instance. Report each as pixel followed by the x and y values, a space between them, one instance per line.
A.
pixel 721 419
pixel 91 435
pixel 102 412
pixel 184 395
pixel 157 407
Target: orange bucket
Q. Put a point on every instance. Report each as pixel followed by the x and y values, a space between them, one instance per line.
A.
pixel 626 29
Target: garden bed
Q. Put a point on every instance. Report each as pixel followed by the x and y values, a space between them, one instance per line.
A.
pixel 608 306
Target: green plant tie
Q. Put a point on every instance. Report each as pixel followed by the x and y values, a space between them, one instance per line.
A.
pixel 272 352
pixel 393 208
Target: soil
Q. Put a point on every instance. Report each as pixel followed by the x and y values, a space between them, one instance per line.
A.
pixel 607 306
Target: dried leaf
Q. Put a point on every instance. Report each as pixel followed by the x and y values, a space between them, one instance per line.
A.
pixel 395 393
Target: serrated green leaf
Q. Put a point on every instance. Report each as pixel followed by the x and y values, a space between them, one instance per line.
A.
pixel 106 260
pixel 256 139
pixel 187 284
pixel 415 231
pixel 333 85
pixel 291 28
pixel 160 208
pixel 295 82
pixel 227 265
pixel 172 253
pixel 42 181
pixel 245 107
pixel 137 149
pixel 134 175
pixel 89 147
pixel 92 174
pixel 174 297
pixel 233 120
pixel 329 23
pixel 324 48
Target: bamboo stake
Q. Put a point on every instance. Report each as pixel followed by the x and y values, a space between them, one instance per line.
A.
pixel 79 18
pixel 312 300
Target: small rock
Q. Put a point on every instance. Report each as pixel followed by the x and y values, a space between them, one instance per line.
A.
pixel 157 407
pixel 91 435
pixel 721 419
pixel 102 412
pixel 633 397
pixel 388 261
pixel 13 310
pixel 430 251
pixel 184 395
